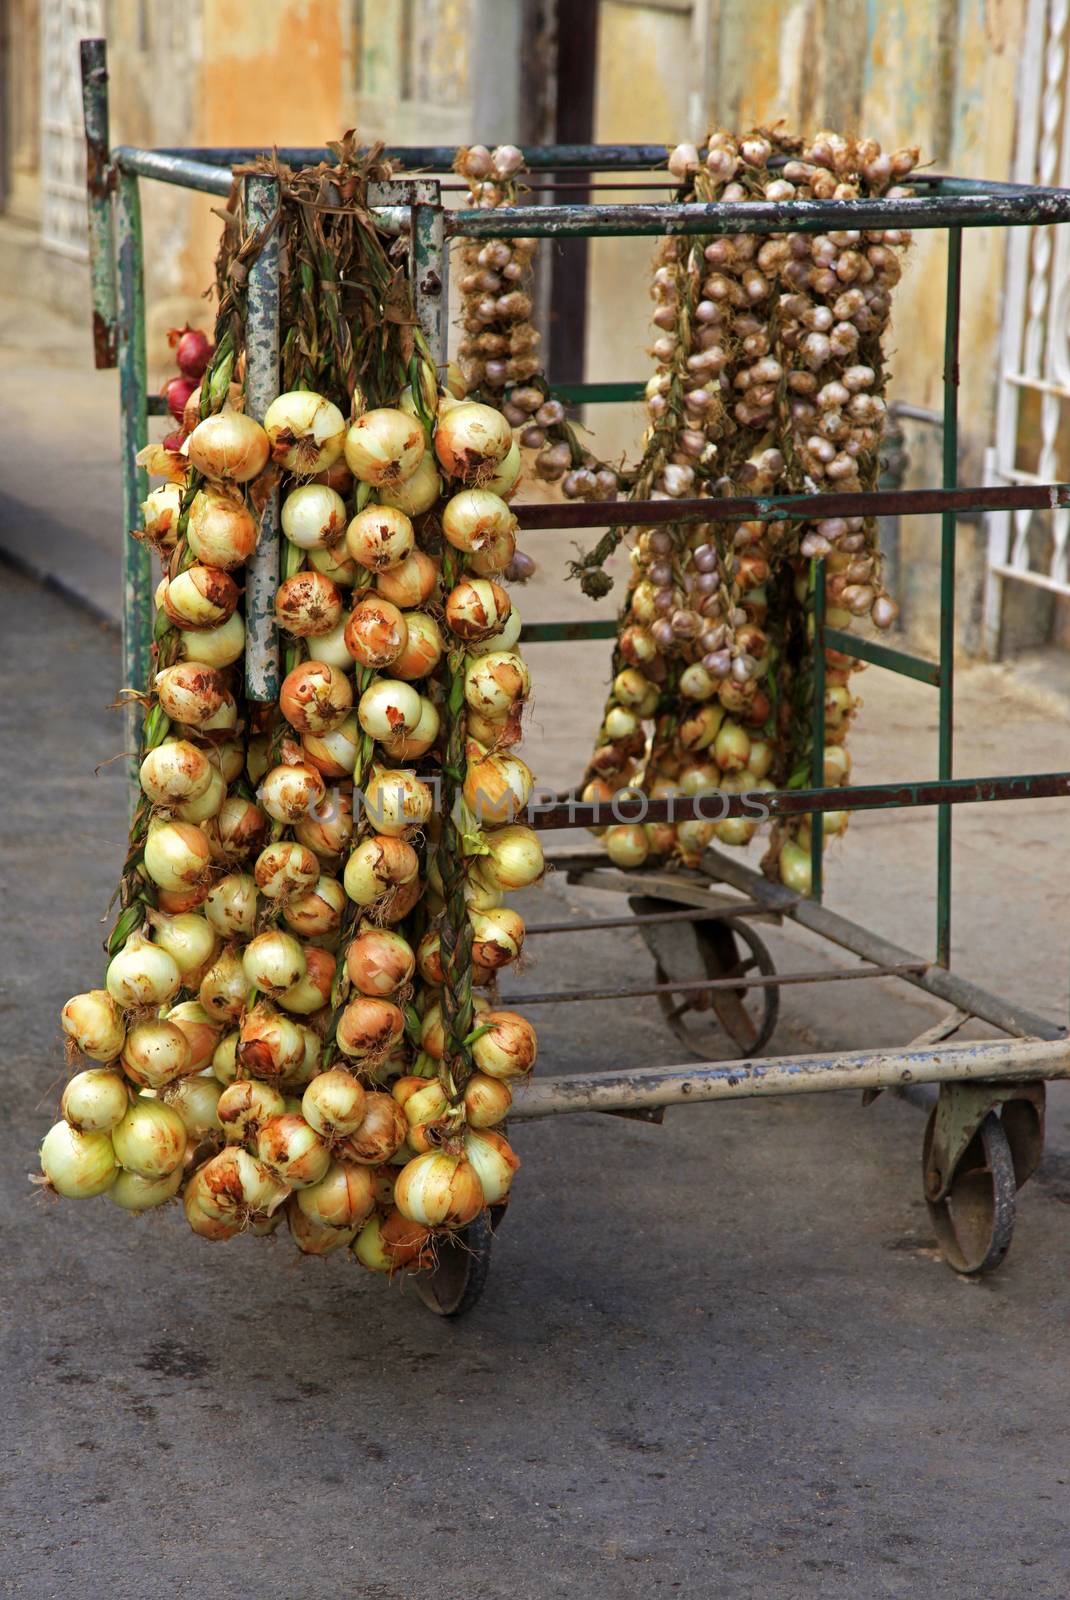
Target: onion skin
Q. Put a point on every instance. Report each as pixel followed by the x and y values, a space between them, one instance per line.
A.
pixel 293 1151
pixel 510 1048
pixel 94 1021
pixel 438 1190
pixel 376 632
pixel 382 1130
pixel 344 1197
pixel 78 1165
pixel 229 446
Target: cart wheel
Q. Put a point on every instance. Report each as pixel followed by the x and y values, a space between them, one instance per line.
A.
pixel 456 1281
pixel 974 1221
pixel 748 1016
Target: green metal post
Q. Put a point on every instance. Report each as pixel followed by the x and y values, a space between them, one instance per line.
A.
pixel 817 727
pixel 262 356
pixel 430 266
pixel 947 591
pixel 134 423
pixel 100 183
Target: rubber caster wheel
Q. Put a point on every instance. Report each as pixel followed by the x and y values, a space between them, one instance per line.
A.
pixel 454 1284
pixel 974 1220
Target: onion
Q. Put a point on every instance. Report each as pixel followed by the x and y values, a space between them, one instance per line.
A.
pixel 731 748
pixel 78 1165
pixel 344 1197
pixel 379 962
pixel 313 1238
pixel 423 647
pixel 474 518
pixel 314 517
pixel 505 640
pixel 142 974
pixel 795 871
pixel 196 1099
pixel 274 960
pixel 494 683
pixel 190 692
pixel 331 647
pixel 403 1242
pixel 156 1052
pixel 151 1139
pixel 308 604
pixel 477 608
pixel 410 584
pixel 380 539
pixel 433 1031
pixel 395 800
pixel 439 1190
pixel 200 597
pixel 293 1151
pixel 160 512
pixel 193 350
pixel 515 860
pixel 206 1226
pixel 369 1027
pixel 410 746
pixel 198 1027
pixel 215 647
pixel 229 446
pixel 314 697
pixel 134 1193
pixel 284 867
pixel 224 986
pixel 334 754
pixel 333 1104
pixel 95 1023
pixel 297 1077
pixel 234 1184
pixel 376 633
pixel 175 771
pixel 382 1129
pixel 336 564
pixel 177 855
pixel 231 906
pixel 313 991
pixel 188 937
pixel 95 1101
pixel 429 958
pixel 328 831
pixel 241 826
pixel 317 910
pixel 305 432
pixel 504 479
pixel 384 447
pixel 418 492
pixel 497 788
pixel 497 936
pixel 209 804
pixel 486 1100
pixel 494 1161
pixel 225 1059
pixel 378 864
pixel 388 707
pixel 244 1106
pixel 509 1049
pixel 290 792
pixel 471 441
pixel 221 531
pixel 270 1043
pixel 369 1249
pixel 495 555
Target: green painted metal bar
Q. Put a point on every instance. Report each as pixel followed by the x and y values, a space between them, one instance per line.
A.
pixel 133 384
pixel 100 183
pixel 262 385
pixel 883 655
pixel 440 157
pixel 430 261
pixel 559 632
pixel 818 575
pixel 172 169
pixel 952 317
pixel 592 394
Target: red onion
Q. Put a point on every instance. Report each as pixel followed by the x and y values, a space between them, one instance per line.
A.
pixel 176 391
pixel 192 348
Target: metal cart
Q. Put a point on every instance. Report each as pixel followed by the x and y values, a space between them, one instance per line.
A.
pixel 984 1135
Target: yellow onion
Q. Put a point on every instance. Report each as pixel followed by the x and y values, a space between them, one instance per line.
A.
pixel 198 1027
pixel 379 962
pixel 270 1044
pixel 344 1197
pixel 312 1238
pixel 795 867
pixel 225 1058
pixel 156 1052
pixel 331 647
pixel 216 647
pixel 234 1184
pixel 837 765
pixel 221 530
pixel 151 1139
pixel 369 1027
pixel 308 604
pixel 378 864
pixel 316 911
pixel 175 771
pixel 477 608
pixel 225 720
pixel 160 512
pixel 315 697
pixel 699 729
pixel 142 974
pixel 313 991
pixel 438 1190
pixel 78 1165
pixel 411 746
pixel 382 1129
pixel 486 1100
pixel 330 829
pixel 494 554
pixel 494 1160
pixel 497 936
pixel 95 1023
pixel 95 1101
pixel 244 1106
pixel 731 748
pixel 384 447
pixel 423 647
pixel 410 584
pixel 305 432
pixel 476 518
pixel 494 683
pixel 509 1049
pixel 505 639
pixel 472 441
pixel 504 479
pixel 418 492
pixel 207 1226
pixel 389 707
pixel 224 986
pixel 497 787
pixel 375 632
pixel 627 844
pixel 433 1030
pixel 200 597
pixel 242 827
pixel 293 1151
pixel 515 860
pixel 207 806
pixel 196 1099
pixel 395 800
pixel 228 756
pixel 134 1193
pixel 284 868
pixel 231 906
pixel 290 792
pixel 380 539
pixel 395 1241
pixel 336 564
pixel 188 937
pixel 228 446
pixel 190 692
pixel 314 517
pixel 274 960
pixel 333 1104
pixel 297 1078
pixel 429 958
